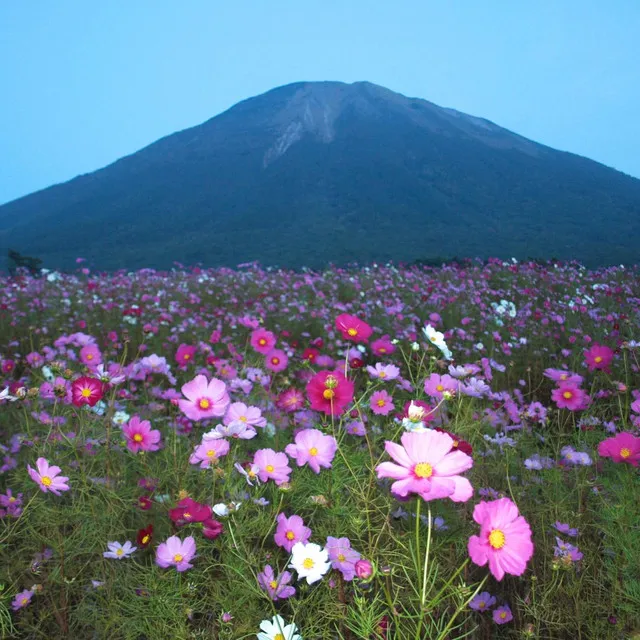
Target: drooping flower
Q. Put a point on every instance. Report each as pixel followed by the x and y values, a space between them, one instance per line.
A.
pixel 505 538
pixel 330 392
pixel 352 328
pixel 427 466
pixel 212 528
pixel 343 558
pixel 177 553
pixel 290 531
pixel 598 357
pixel 48 477
pixel 277 629
pixel 204 399
pixel 623 447
pixel 277 587
pixel 119 551
pixel 140 436
pixel 310 561
pixel 272 465
pixel 263 341
pixel 86 390
pixel 314 448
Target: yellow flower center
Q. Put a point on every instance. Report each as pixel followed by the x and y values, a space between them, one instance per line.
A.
pixel 352 332
pixel 86 392
pixel 382 374
pixel 12 499
pixel 46 481
pixel 423 470
pixel 269 468
pixel 186 356
pixel 262 342
pixel 624 452
pixel 308 563
pixel 503 615
pixel 567 395
pixel 24 601
pixel 341 557
pixel 440 388
pixel 327 394
pixel 186 515
pixel 89 356
pixel 313 451
pixel 482 604
pixel 145 539
pixel 290 535
pixel 119 552
pixel 242 418
pixel 211 454
pixel 496 539
pixel 204 403
pixel 279 636
pixel 275 360
pixel 273 584
pixel 380 402
pixel 598 359
pixel 137 438
pixel 178 557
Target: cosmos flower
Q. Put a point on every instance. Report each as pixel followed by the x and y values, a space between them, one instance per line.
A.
pixel 209 452
pixel 276 360
pixel 119 551
pixel 204 399
pixel 22 599
pixel 314 448
pixel 342 557
pixel 352 328
pixel 48 477
pixel 290 531
pixel 598 357
pixel 272 465
pixel 262 341
pixel 140 436
pixel 310 561
pixel 176 553
pixel 381 403
pixel 623 447
pixel 86 390
pixel 505 538
pixel 482 602
pixel 426 465
pixel 330 392
pixel 568 396
pixel 276 587
pixel 277 629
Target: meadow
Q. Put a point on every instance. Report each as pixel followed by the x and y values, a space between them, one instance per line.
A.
pixel 384 452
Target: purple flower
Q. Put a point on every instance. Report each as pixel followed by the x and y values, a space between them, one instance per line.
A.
pixel 22 599
pixel 342 557
pixel 482 602
pixel 177 553
pixel 277 588
pixel 566 529
pixel 119 551
pixel 566 551
pixel 502 615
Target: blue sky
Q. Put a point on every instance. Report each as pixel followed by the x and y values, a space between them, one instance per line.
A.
pixel 84 83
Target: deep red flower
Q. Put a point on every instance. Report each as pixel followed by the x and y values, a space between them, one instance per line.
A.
pixel 329 392
pixel 188 510
pixel 310 354
pixel 145 536
pixel 352 328
pixel 458 443
pixel 211 528
pixel 144 502
pixel 86 390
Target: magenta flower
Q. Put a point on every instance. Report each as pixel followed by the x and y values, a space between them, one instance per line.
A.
pixel 289 531
pixel 381 403
pixel 209 452
pixel 504 541
pixel 277 588
pixel 48 477
pixel 185 355
pixel 140 436
pixel 90 355
pixel 598 357
pixel 272 465
pixel 276 360
pixel 502 615
pixel 623 447
pixel 428 465
pixel 204 399
pixel 561 375
pixel 263 341
pixel 176 553
pixel 435 385
pixel 313 447
pixel 342 557
pixel 568 396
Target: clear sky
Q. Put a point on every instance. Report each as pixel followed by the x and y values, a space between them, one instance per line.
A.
pixel 84 82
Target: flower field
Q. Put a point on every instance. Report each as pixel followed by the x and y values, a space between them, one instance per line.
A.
pixel 371 453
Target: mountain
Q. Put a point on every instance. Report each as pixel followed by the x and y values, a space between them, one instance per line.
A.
pixel 314 172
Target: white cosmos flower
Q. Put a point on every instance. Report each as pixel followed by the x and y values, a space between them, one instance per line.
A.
pixel 436 338
pixel 310 560
pixel 277 629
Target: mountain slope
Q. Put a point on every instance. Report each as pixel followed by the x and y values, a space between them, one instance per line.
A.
pixel 317 172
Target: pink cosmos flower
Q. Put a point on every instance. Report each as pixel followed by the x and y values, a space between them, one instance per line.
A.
pixel 598 357
pixel 505 538
pixel 382 346
pixel 330 392
pixel 188 510
pixel 209 452
pixel 290 400
pixel 90 355
pixel 352 328
pixel 48 477
pixel 140 436
pixel 289 531
pixel 427 466
pixel 185 355
pixel 313 447
pixel 263 341
pixel 22 599
pixel 383 371
pixel 276 360
pixel 277 587
pixel 568 396
pixel 272 465
pixel 342 557
pixel 381 403
pixel 435 385
pixel 177 553
pixel 623 447
pixel 240 412
pixel 204 399
pixel 86 390
pixel 560 375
